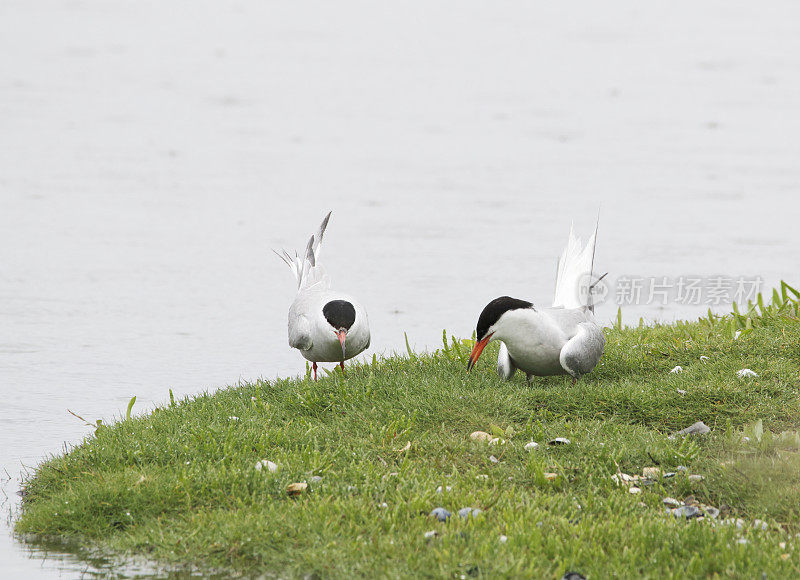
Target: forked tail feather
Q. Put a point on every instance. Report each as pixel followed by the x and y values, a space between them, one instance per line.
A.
pixel 574 274
pixel 306 269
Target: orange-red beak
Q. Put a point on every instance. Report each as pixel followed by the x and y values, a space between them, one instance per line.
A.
pixel 342 335
pixel 477 350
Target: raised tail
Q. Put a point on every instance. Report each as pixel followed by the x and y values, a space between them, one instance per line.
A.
pixel 574 276
pixel 306 269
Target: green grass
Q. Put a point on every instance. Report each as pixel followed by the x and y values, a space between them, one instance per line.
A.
pixel 180 486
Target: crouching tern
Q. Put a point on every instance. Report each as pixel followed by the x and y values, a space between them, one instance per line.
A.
pixel 562 339
pixel 324 325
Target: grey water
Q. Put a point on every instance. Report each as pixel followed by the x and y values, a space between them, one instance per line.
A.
pixel 152 154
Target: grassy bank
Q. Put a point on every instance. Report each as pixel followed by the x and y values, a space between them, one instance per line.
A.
pixel 180 485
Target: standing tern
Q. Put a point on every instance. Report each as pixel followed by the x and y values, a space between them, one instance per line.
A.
pixel 562 339
pixel 324 325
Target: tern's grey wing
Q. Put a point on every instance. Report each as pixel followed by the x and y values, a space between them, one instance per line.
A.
pixel 582 352
pixel 300 333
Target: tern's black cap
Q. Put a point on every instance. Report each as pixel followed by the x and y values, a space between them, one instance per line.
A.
pixel 339 314
pixel 495 309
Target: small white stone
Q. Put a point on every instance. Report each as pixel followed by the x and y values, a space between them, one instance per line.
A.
pixel 503 539
pixel 672 502
pixel 480 436
pixel 269 465
pixel 431 534
pixel 634 490
pixel 746 373
pixel 695 478
pixel 383 505
pixel 677 370
pixel 530 446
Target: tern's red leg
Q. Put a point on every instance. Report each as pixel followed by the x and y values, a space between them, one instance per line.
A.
pixel 314 366
pixel 341 364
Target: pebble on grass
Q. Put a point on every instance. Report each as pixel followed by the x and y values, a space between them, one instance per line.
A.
pixel 634 490
pixel 296 488
pixel 480 436
pixel 686 511
pixel 464 513
pixel 269 465
pixel 651 472
pixel 559 441
pixel 531 446
pixel 698 428
pixel 503 539
pixel 695 478
pixel 440 514
pixel 746 373
pixel 625 479
pixel 431 534
pixel 671 502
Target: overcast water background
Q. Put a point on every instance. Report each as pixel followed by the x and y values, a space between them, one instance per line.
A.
pixel 152 153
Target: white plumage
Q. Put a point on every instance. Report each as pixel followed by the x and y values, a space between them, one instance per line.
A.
pixel 324 325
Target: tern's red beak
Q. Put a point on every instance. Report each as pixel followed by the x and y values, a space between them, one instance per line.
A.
pixel 342 335
pixel 477 350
